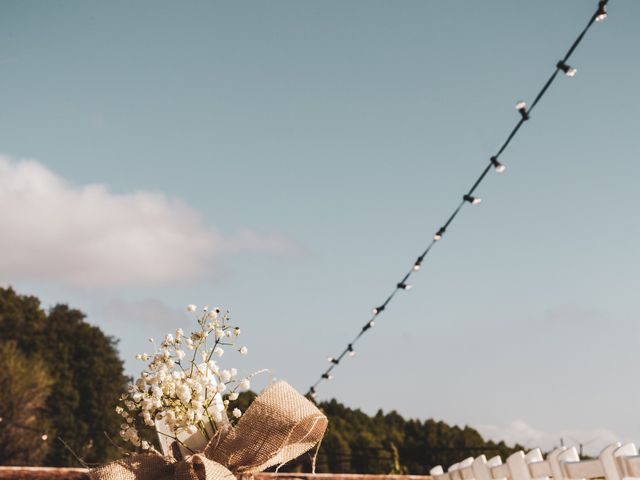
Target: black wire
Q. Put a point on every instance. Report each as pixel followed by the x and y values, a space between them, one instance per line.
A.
pixel 525 117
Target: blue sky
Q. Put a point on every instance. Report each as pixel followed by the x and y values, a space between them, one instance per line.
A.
pixel 288 160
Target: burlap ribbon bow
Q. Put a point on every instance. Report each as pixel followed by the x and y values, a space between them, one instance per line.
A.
pixel 278 426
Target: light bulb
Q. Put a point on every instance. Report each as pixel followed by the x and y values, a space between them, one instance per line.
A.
pixel 418 264
pixel 352 352
pixel 439 234
pixel 601 14
pixel 568 71
pixel 44 437
pixel 497 165
pixel 377 310
pixel 472 200
pixel 404 286
pixel 522 108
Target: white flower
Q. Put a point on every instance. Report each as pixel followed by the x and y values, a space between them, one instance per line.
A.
pixel 237 413
pixel 179 333
pixel 233 396
pixel 221 387
pixel 233 372
pixel 213 314
pixel 236 331
pixel 244 350
pixel 245 384
pixel 225 375
pixel 180 354
pixel 145 445
pixel 169 339
pixel 191 307
pixel 218 352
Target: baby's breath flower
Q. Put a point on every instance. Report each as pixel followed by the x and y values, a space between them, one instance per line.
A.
pixel 185 395
pixel 191 307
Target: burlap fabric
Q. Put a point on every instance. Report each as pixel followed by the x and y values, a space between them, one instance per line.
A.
pixel 279 426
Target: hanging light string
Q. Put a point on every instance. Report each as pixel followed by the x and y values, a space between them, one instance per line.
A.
pixel 562 66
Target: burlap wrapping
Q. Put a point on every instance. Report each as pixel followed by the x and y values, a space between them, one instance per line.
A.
pixel 279 426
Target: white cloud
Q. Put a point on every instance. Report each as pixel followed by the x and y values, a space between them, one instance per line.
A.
pixel 519 431
pixel 89 236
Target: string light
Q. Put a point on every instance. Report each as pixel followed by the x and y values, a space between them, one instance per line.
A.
pixel 568 71
pixel 472 200
pixel 377 310
pixel 562 65
pixel 497 165
pixel 366 327
pixel 522 108
pixel 601 14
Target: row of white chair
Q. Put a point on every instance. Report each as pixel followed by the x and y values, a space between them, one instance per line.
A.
pixel 616 462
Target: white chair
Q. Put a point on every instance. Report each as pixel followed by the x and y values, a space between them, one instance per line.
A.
pixel 616 462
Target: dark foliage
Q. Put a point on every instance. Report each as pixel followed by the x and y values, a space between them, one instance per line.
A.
pixel 85 369
pixel 388 443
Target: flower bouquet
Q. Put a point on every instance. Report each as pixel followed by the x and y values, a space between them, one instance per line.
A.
pixel 183 396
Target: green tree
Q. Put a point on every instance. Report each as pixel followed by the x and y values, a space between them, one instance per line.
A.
pixel 86 371
pixel 24 388
pixel 358 443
